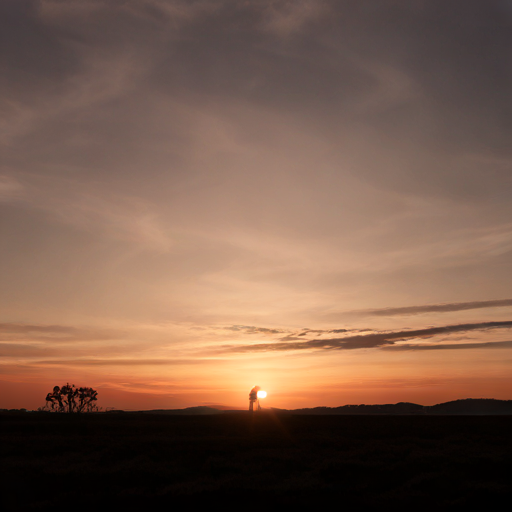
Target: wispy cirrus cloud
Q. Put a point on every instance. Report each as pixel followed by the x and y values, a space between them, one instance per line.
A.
pixel 374 340
pixel 10 188
pixel 55 333
pixel 87 207
pixel 252 329
pixel 434 308
pixel 451 346
pixel 88 362
pixel 286 18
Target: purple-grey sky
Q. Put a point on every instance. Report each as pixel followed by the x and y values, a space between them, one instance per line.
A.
pixel 201 196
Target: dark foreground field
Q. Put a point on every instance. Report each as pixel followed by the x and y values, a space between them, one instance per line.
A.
pixel 132 462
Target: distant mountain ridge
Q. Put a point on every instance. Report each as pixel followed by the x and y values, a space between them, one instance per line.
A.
pixel 467 406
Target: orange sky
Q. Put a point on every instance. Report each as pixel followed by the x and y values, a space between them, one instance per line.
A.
pixel 199 197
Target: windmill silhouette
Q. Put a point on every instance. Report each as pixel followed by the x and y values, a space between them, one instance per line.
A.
pixel 254 396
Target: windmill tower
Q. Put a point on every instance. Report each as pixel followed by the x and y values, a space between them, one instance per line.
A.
pixel 253 397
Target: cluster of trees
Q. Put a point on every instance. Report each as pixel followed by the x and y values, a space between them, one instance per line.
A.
pixel 70 399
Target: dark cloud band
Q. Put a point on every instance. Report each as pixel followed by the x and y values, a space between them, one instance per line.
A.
pixel 374 340
pixel 452 346
pixel 436 308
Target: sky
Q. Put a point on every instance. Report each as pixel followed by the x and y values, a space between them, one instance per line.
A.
pixel 201 196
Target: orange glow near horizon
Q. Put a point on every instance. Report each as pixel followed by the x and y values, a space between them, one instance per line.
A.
pixel 320 209
pixel 297 380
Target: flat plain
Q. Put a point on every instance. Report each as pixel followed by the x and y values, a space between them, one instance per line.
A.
pixel 131 461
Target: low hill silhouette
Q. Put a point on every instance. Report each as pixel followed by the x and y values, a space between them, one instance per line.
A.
pixel 192 411
pixel 473 406
pixel 467 406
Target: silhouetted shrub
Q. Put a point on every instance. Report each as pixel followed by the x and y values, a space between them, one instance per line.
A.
pixel 70 399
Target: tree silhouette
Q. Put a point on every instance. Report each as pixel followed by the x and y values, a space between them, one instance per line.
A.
pixel 70 399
